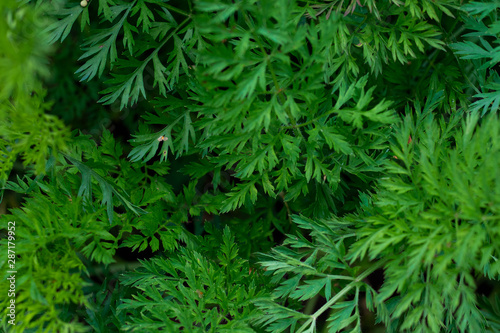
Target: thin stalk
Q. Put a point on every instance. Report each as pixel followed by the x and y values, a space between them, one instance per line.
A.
pixel 341 294
pixel 174 9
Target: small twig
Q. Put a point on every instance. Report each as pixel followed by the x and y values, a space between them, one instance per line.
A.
pixel 282 195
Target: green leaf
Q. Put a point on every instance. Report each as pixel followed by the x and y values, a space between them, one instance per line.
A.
pixel 85 190
pixel 100 46
pixel 59 30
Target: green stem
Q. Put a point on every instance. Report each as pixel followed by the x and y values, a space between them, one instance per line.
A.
pixel 341 294
pixel 311 304
pixel 174 9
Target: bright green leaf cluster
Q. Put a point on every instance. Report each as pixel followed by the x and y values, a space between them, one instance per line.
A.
pixel 435 220
pixel 358 138
pixel 25 127
pixel 194 291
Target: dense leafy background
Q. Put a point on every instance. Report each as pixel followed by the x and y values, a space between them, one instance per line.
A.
pixel 249 166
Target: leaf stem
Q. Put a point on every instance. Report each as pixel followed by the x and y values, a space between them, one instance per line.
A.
pixel 341 294
pixel 174 9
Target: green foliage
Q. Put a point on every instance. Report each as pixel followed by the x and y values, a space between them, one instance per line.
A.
pixel 63 226
pixel 484 27
pixel 193 291
pixel 241 166
pixel 434 220
pixel 317 267
pixel 25 128
pixel 48 235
